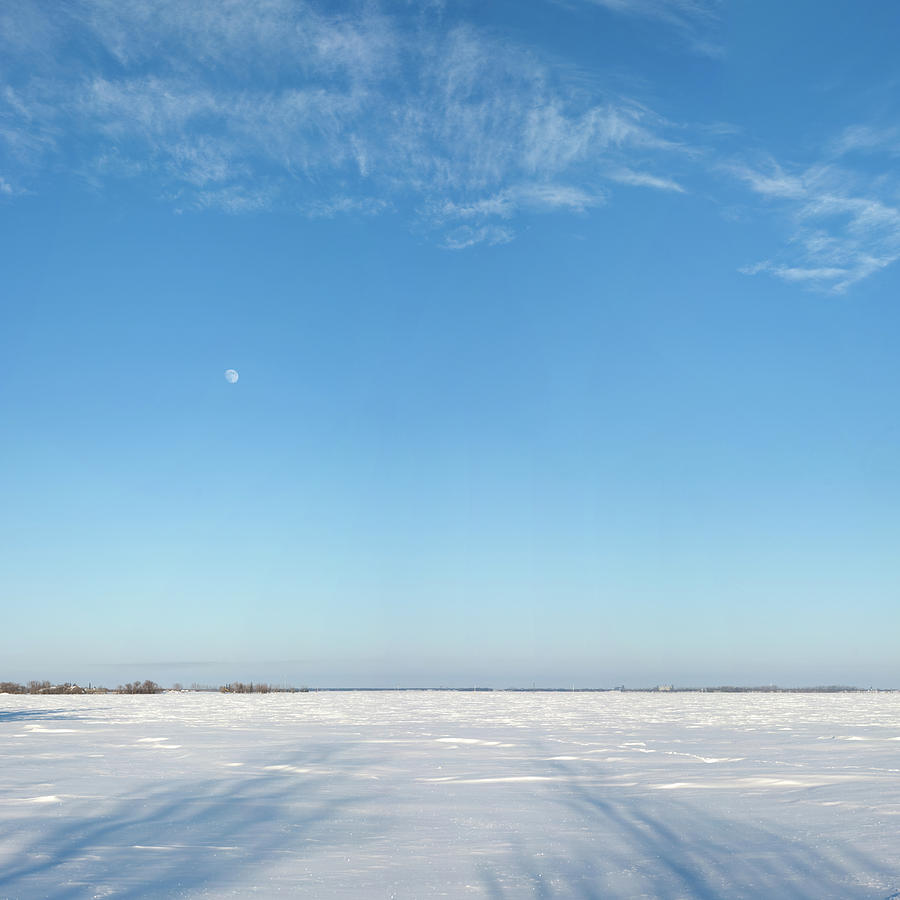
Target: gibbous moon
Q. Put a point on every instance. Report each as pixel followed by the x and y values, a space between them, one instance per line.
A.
pixel 231 376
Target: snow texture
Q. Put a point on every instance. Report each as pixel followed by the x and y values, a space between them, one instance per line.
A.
pixel 437 794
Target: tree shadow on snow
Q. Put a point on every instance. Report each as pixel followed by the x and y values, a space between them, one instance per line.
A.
pixel 17 715
pixel 640 846
pixel 179 837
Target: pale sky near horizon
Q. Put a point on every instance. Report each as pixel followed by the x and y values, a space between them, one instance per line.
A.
pixel 566 333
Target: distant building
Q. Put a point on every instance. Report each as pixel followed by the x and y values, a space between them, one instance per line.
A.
pixel 665 687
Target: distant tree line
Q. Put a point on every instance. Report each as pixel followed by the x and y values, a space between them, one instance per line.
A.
pixel 259 687
pixel 142 687
pixel 139 687
pixel 45 687
pixel 773 689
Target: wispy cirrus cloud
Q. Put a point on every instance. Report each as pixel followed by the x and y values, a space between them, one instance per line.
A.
pixel 467 236
pixel 841 228
pixel 646 179
pixel 476 221
pixel 246 106
pixel 866 139
pixel 696 20
pixel 506 203
pixel 337 206
pixel 250 106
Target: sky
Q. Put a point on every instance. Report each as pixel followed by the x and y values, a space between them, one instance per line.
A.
pixel 566 333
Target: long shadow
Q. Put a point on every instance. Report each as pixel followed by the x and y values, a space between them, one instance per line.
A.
pixel 14 715
pixel 672 849
pixel 199 834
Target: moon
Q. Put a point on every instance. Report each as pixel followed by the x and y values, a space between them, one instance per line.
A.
pixel 231 376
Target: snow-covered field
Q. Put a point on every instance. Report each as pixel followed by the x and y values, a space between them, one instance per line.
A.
pixel 428 794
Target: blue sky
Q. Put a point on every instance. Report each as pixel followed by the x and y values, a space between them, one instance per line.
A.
pixel 566 335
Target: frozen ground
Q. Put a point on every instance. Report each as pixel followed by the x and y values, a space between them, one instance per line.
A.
pixel 409 795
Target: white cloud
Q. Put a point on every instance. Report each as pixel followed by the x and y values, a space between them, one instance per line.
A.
pixel 500 205
pixel 557 196
pixel 248 105
pixel 670 10
pixel 774 183
pixel 241 105
pixel 335 206
pixel 234 199
pixel 696 20
pixel 822 276
pixel 645 179
pixel 467 236
pixel 866 139
pixel 539 197
pixel 239 37
pixel 842 232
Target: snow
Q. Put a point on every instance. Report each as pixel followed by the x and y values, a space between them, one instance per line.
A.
pixel 441 794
